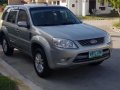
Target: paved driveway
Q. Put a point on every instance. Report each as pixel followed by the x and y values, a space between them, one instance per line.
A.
pixel 103 77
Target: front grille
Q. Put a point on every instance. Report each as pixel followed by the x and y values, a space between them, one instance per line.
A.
pixel 90 42
pixel 83 57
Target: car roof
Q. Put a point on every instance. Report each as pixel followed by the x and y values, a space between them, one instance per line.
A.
pixel 32 6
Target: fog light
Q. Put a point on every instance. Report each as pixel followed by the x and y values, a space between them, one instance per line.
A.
pixel 63 60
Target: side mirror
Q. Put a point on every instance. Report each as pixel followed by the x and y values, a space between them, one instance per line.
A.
pixel 23 24
pixel 81 20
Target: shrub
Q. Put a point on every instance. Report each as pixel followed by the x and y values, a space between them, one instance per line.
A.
pixel 116 24
pixel 4 5
pixel 3 2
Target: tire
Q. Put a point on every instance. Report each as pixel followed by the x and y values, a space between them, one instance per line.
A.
pixel 7 49
pixel 96 63
pixel 40 63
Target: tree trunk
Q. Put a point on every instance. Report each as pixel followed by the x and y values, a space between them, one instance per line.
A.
pixel 119 13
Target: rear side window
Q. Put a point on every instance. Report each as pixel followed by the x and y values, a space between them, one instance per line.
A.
pixel 4 15
pixel 12 16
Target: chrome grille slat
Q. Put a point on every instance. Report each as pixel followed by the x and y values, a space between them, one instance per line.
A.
pixel 87 42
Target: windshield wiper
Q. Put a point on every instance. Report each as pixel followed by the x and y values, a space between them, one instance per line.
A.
pixel 48 25
pixel 67 23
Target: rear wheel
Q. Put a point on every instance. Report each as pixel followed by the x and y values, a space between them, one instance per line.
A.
pixel 40 63
pixel 7 49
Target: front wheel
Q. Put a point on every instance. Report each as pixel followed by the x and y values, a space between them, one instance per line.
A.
pixel 40 63
pixel 7 49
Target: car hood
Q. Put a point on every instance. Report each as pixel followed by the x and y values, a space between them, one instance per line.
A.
pixel 73 32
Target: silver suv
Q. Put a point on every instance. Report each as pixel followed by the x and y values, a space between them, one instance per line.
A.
pixel 52 36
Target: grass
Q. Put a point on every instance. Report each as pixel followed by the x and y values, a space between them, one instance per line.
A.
pixel 117 25
pixel 100 17
pixel 7 84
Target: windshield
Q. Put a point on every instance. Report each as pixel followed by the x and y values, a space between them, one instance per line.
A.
pixel 52 16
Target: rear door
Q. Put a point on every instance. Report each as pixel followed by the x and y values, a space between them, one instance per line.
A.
pixel 11 26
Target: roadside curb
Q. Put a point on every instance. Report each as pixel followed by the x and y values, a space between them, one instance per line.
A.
pixel 9 71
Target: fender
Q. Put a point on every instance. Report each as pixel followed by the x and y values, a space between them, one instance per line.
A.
pixel 46 46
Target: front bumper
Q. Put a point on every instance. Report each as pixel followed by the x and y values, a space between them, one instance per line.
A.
pixel 68 57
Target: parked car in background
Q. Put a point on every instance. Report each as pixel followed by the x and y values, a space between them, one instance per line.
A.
pixel 52 36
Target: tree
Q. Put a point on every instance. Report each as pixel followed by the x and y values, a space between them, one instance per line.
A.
pixel 3 2
pixel 115 4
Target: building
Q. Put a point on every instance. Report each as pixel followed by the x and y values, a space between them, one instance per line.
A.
pixel 84 7
pixel 78 7
pixel 12 2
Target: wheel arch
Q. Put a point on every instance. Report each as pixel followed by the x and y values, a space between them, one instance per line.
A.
pixel 44 44
pixel 35 45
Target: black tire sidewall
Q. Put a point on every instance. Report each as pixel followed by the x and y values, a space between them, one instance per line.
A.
pixel 46 69
pixel 10 50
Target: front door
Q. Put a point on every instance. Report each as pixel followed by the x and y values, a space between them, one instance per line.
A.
pixel 23 32
pixel 92 6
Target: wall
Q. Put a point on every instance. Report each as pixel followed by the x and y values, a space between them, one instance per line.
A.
pixel 85 7
pixel 28 1
pixel 40 1
pixel 63 3
pixel 106 11
pixel 78 7
pixel 11 2
pixel 75 6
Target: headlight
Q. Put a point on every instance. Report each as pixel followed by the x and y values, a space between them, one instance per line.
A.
pixel 63 43
pixel 108 38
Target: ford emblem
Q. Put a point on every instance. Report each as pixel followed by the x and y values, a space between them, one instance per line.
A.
pixel 93 41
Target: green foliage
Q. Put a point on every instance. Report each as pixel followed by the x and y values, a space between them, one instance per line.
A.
pixel 3 2
pixel 109 16
pixel 4 5
pixel 116 24
pixel 115 3
pixel 7 84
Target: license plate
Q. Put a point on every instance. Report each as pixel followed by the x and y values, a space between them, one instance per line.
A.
pixel 93 54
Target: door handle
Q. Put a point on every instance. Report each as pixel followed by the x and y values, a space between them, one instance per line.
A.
pixel 17 30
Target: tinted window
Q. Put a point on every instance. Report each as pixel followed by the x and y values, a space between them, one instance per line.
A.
pixel 49 16
pixel 22 16
pixel 4 15
pixel 12 16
